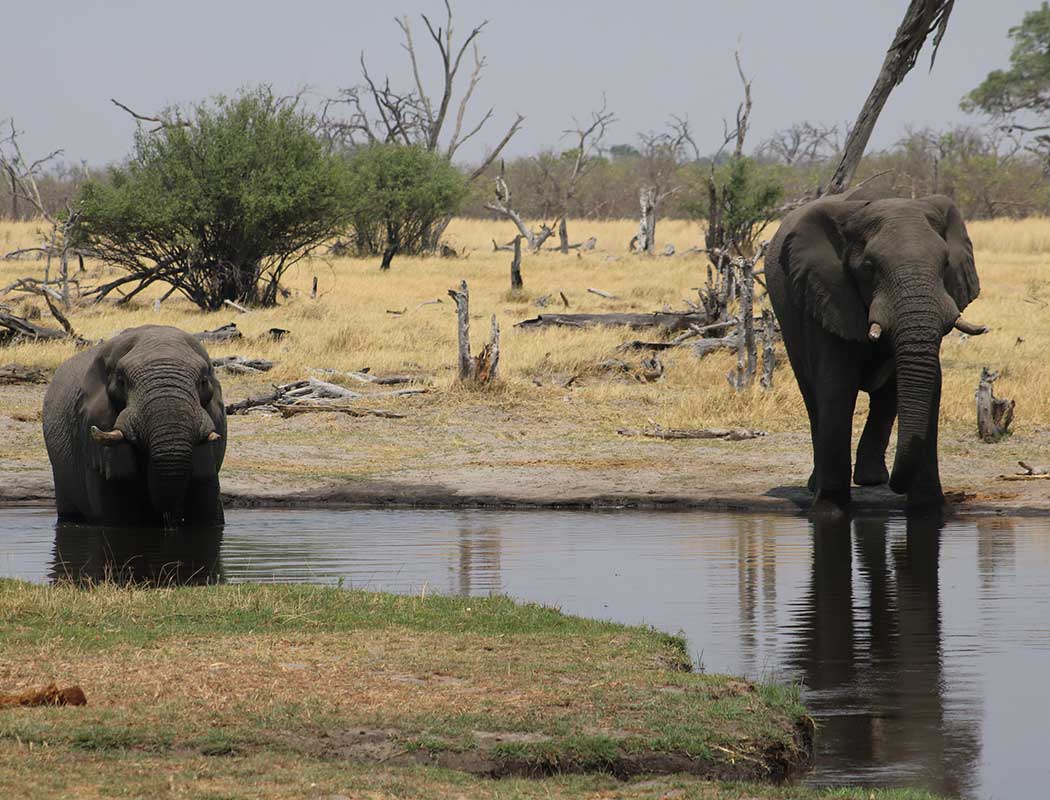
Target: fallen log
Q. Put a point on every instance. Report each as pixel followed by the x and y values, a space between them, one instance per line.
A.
pixel 309 390
pixel 364 376
pixel 18 374
pixel 245 366
pixel 242 406
pixel 302 408
pixel 1030 474
pixel 702 347
pixel 725 434
pixel 14 328
pixel 606 295
pixel 224 333
pixel 671 321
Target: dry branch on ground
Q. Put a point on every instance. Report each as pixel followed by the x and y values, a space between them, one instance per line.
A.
pixel 726 434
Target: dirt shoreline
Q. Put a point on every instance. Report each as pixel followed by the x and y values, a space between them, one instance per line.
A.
pixel 478 451
pixel 37 490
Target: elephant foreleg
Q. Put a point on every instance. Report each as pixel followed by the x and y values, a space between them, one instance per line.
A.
pixel 832 454
pixel 870 469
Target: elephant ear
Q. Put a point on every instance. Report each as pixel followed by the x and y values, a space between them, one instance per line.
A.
pixel 96 407
pixel 814 258
pixel 960 279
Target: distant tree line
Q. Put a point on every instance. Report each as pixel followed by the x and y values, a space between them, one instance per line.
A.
pixel 984 169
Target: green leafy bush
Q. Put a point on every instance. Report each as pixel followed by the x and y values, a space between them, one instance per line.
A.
pixel 399 192
pixel 219 205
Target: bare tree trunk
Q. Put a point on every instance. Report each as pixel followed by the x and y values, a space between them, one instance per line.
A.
pixel 920 20
pixel 746 354
pixel 516 282
pixel 485 367
pixel 563 234
pixel 769 356
pixel 14 194
pixel 462 300
pixel 647 222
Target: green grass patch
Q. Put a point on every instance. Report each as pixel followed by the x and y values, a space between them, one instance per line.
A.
pixel 226 688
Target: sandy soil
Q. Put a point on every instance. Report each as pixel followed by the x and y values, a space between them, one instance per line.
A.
pixel 483 452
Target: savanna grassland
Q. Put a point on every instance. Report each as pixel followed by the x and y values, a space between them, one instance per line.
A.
pixel 532 438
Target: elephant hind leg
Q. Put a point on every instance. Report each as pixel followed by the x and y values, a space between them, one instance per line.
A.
pixel 870 469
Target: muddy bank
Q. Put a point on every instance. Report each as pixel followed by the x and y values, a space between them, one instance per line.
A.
pixel 599 494
pixel 492 455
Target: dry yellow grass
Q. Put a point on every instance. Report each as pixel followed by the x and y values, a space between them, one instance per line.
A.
pixel 349 327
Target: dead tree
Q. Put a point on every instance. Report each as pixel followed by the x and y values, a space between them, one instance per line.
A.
pixel 516 282
pixel 994 414
pixel 427 118
pixel 802 144
pixel 504 207
pixel 645 240
pixel 746 355
pixel 588 144
pixel 769 355
pixel 922 18
pixel 57 239
pixel 660 155
pixel 483 368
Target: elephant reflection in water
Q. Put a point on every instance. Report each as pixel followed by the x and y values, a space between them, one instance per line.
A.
pixel 879 670
pixel 89 554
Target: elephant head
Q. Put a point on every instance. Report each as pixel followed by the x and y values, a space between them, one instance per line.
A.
pixel 890 271
pixel 152 406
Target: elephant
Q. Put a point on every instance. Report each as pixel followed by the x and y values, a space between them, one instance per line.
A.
pixel 864 287
pixel 135 429
pixel 86 555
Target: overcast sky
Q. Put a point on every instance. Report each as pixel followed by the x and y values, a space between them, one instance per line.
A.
pixel 548 59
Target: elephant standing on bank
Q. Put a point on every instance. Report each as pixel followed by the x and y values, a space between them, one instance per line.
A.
pixel 864 290
pixel 136 431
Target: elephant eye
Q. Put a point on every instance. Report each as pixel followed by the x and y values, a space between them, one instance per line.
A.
pixel 204 387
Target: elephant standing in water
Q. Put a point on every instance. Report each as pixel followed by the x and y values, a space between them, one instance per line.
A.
pixel 864 290
pixel 136 431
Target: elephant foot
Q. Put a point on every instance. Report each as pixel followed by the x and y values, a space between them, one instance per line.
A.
pixel 831 501
pixel 811 484
pixel 926 501
pixel 870 473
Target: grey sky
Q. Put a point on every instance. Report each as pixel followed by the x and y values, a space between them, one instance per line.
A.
pixel 810 59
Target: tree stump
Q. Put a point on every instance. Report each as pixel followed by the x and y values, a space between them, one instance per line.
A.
pixel 515 265
pixel 485 367
pixel 994 414
pixel 646 240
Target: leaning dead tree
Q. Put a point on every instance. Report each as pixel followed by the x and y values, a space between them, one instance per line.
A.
pixel 56 244
pixel 484 367
pixel 419 115
pixel 922 18
pixel 505 208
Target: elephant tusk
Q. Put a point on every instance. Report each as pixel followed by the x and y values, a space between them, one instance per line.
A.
pixel 969 328
pixel 875 331
pixel 106 437
pixel 212 437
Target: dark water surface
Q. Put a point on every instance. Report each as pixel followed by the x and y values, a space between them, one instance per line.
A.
pixel 924 649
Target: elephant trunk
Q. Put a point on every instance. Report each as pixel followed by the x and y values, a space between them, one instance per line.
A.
pixel 170 416
pixel 917 328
